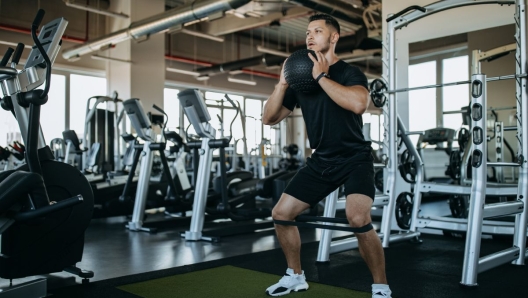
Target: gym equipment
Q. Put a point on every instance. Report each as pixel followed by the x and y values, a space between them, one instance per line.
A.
pixel 459 205
pixel 291 163
pixel 380 88
pixel 103 126
pixel 475 226
pixel 407 167
pixel 298 71
pixel 377 92
pixel 89 165
pixel 142 124
pixel 43 237
pixel 236 200
pixel 403 213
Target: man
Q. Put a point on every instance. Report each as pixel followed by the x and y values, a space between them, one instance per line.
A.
pixel 342 156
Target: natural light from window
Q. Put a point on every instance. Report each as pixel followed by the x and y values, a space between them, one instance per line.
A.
pixel 422 103
pixel 171 106
pixel 81 89
pixel 455 97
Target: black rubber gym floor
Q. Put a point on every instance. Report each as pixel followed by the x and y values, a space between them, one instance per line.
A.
pixel 431 269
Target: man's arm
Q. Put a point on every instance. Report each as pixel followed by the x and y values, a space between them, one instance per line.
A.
pixel 274 111
pixel 352 98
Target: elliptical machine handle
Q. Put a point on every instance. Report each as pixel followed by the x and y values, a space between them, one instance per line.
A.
pixel 18 53
pixel 6 57
pixel 38 18
pixel 46 210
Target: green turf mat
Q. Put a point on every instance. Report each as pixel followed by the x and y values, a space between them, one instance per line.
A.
pixel 227 281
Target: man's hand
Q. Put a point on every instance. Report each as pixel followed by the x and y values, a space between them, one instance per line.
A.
pixel 320 64
pixel 282 80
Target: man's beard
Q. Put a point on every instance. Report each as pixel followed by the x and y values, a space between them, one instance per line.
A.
pixel 326 47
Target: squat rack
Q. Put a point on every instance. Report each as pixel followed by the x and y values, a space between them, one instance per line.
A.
pixel 472 263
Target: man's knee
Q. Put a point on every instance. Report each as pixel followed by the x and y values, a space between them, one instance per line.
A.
pixel 288 208
pixel 279 213
pixel 357 220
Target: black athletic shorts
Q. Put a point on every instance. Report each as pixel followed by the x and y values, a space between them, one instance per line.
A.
pixel 317 179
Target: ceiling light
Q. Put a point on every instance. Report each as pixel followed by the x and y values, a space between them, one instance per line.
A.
pixel 241 81
pixel 273 52
pixel 202 78
pixel 202 35
pixel 363 58
pixel 182 71
pixel 97 57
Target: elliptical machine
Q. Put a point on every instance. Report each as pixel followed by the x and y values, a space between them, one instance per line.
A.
pixel 45 205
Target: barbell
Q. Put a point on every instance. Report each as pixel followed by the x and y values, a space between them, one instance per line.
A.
pixel 378 87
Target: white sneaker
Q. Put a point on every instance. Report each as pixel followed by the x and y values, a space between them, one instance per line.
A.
pixel 381 294
pixel 289 282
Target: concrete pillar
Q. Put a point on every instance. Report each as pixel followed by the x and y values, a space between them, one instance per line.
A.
pixel 144 76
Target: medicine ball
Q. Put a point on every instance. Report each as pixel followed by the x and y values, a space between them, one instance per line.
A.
pixel 298 71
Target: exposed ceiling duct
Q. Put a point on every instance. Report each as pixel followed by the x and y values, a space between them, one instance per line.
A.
pixel 156 24
pixel 333 9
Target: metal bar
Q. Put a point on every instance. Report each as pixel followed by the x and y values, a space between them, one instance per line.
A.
pixel 499 156
pixel 521 220
pixel 498 258
pixel 418 132
pixel 491 79
pixel 509 128
pixel 478 187
pixel 323 254
pixel 489 227
pixel 136 224
pixel 200 194
pixel 503 164
pixel 502 209
pixel 436 7
pixel 494 189
pixel 392 127
pixel 489 109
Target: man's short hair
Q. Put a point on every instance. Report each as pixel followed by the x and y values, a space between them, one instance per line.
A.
pixel 329 20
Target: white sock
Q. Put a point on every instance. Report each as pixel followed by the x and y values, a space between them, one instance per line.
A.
pixel 382 287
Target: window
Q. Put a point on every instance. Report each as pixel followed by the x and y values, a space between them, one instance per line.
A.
pixel 51 121
pixel 9 130
pixel 237 132
pixel 171 106
pixel 376 129
pixel 422 103
pixel 82 88
pixel 454 97
pixel 253 123
pixel 53 113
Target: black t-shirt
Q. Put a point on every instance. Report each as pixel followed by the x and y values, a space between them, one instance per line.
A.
pixel 334 133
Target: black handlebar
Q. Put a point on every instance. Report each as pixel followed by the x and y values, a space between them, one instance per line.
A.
pixel 38 44
pixel 6 57
pixel 38 18
pixel 46 210
pixel 18 53
pixel 405 10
